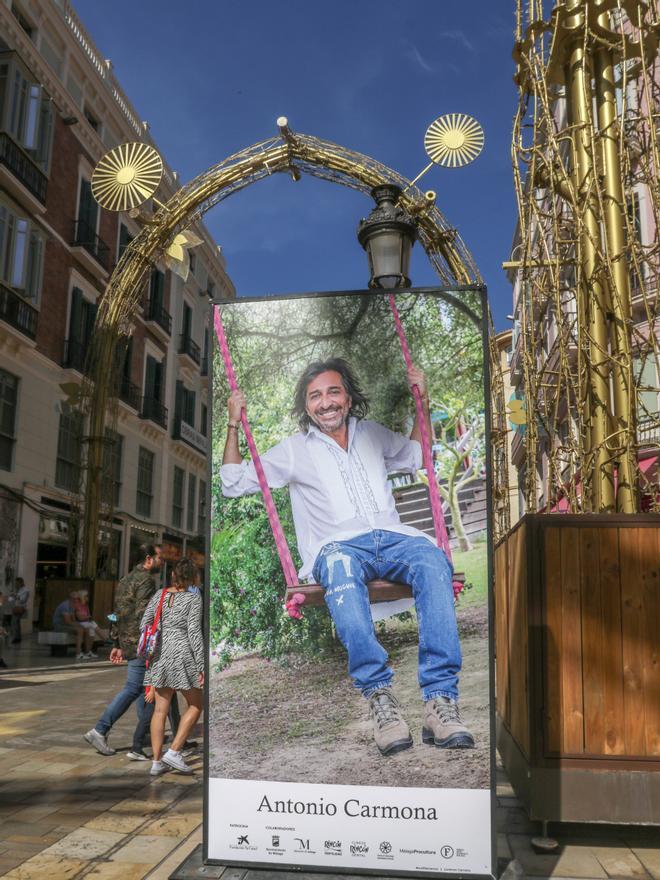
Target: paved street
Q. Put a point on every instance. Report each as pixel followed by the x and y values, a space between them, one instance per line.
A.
pixel 67 812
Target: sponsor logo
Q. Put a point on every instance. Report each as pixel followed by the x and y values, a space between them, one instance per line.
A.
pixel 446 851
pixel 275 841
pixel 242 843
pixel 385 847
pixel 302 845
pixel 359 848
pixel 332 847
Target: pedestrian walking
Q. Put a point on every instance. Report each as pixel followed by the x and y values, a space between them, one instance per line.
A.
pixel 177 664
pixel 133 594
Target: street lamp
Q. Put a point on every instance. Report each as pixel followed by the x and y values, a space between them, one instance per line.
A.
pixel 387 235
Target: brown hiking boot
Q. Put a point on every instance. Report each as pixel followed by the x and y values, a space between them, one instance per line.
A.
pixel 443 726
pixel 391 733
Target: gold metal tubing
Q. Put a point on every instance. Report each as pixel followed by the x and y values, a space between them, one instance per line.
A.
pixel 614 207
pixel 593 294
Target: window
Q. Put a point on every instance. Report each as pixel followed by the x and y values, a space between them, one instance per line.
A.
pixel 201 507
pixel 191 262
pixel 81 327
pixel 177 498
pixel 125 238
pixel 91 118
pixel 67 465
pixel 88 212
pixel 186 323
pixel 26 112
pixel 203 420
pixel 21 254
pixel 192 491
pixel 153 380
pixel 112 453
pixel 188 407
pixel 8 401
pixel 25 23
pixel 156 292
pixel 145 482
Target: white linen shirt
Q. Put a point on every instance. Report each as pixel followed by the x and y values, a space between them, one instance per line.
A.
pixel 336 494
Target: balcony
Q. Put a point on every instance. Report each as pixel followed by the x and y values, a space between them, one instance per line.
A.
pixel 185 432
pixel 648 430
pixel 160 317
pixel 75 355
pixel 17 312
pixel 21 166
pixel 188 348
pixel 86 238
pixel 154 410
pixel 129 393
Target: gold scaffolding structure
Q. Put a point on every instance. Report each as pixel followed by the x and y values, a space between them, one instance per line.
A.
pixel 585 159
pixel 291 153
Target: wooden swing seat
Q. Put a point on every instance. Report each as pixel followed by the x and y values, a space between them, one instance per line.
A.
pixel 379 591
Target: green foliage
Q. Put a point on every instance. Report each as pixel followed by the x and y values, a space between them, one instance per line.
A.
pixel 247 588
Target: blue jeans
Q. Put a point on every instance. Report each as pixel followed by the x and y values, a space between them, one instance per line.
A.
pixel 343 569
pixel 132 692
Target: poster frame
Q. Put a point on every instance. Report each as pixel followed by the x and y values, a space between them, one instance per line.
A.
pixel 483 324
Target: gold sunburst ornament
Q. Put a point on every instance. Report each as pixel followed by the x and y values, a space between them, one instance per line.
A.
pixel 127 176
pixel 454 140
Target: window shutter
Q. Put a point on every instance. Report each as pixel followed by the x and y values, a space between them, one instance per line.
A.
pixel 75 319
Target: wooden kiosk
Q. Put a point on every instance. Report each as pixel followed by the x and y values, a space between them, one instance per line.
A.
pixel 577 611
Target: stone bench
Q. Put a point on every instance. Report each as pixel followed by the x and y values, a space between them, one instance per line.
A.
pixel 59 642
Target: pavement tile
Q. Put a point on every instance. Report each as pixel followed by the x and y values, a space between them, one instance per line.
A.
pixel 619 862
pixel 650 858
pixel 85 843
pixel 118 871
pixel 7 862
pixel 46 866
pixel 570 861
pixel 33 813
pixel 109 821
pixel 173 826
pixel 503 848
pixel 147 849
pixel 142 807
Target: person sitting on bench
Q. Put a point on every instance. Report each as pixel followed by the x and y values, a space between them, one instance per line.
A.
pixel 64 620
pixel 349 532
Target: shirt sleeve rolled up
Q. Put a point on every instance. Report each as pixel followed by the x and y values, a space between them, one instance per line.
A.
pixel 241 479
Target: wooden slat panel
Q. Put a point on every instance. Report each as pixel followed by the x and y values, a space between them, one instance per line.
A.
pixel 649 554
pixel 592 642
pixel 610 582
pixel 518 638
pixel 503 694
pixel 553 640
pixel 632 608
pixel 571 641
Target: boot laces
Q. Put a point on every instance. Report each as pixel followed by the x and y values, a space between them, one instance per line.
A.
pixel 447 710
pixel 385 708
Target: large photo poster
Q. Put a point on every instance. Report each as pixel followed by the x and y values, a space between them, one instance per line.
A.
pixel 349 689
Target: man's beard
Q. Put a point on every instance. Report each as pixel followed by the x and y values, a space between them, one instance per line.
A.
pixel 329 425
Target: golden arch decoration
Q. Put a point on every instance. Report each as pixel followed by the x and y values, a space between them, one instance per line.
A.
pixel 290 153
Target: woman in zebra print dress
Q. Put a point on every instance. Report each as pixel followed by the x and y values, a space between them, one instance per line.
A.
pixel 177 665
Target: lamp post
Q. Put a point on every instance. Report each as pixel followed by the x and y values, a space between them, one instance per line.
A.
pixel 387 235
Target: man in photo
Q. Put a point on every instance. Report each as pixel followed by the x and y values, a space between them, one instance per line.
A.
pixel 349 532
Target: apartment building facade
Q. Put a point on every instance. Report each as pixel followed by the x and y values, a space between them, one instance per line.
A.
pixel 61 109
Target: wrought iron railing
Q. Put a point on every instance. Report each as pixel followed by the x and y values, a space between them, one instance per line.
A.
pixel 23 167
pixel 130 394
pixel 648 429
pixel 18 312
pixel 187 346
pixel 156 313
pixel 75 354
pixel 85 236
pixel 154 410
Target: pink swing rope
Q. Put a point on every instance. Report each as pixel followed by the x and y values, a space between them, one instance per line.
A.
pixel 290 574
pixel 439 525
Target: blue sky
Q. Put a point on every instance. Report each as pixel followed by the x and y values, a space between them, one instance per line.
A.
pixel 212 78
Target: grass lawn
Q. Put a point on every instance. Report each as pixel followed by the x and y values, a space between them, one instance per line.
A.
pixel 475 565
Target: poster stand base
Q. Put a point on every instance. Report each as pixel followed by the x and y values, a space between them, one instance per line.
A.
pixel 193 868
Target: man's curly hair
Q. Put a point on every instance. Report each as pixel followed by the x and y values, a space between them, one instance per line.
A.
pixel 359 401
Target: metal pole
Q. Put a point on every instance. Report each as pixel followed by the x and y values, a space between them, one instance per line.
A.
pixel 593 293
pixel 613 207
